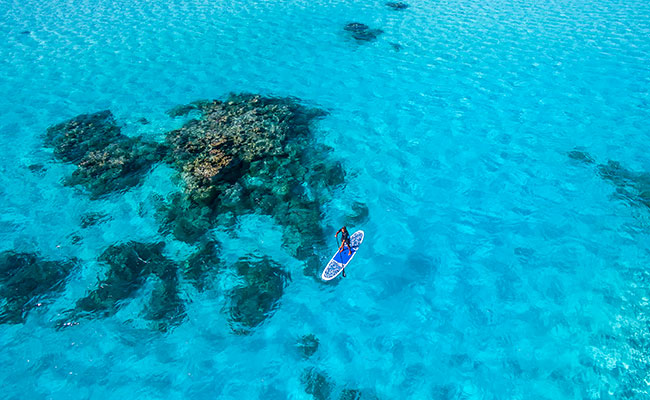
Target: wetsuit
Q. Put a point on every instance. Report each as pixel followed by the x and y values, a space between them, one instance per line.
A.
pixel 345 237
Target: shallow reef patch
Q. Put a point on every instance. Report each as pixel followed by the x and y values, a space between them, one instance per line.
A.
pixel 129 266
pixel 631 186
pixel 247 154
pixel 263 283
pixel 397 5
pixel 362 32
pixel 106 160
pixel 251 154
pixel 204 262
pixel 308 345
pixel 316 383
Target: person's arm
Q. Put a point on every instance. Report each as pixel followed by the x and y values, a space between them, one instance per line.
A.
pixel 337 233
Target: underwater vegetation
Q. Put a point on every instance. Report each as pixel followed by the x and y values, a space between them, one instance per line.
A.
pixel 632 187
pixel 106 160
pixel 26 281
pixel 254 301
pixel 362 32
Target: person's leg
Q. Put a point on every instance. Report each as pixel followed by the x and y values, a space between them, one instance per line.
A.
pixel 343 273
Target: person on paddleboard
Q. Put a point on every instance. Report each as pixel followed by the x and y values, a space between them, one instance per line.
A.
pixel 345 240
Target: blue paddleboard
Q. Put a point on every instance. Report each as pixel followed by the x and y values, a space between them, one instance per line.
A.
pixel 342 258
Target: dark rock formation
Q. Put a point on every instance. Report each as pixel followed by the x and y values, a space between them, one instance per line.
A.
pixel 308 345
pixel 397 6
pixel 25 282
pixel 254 301
pixel 106 159
pixel 362 32
pixel 316 383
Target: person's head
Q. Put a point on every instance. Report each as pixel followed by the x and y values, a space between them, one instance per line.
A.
pixel 344 229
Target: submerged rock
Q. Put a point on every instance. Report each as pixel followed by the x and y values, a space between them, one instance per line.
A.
pixel 362 32
pixel 308 345
pixel 256 300
pixel 106 159
pixel 316 383
pixel 25 282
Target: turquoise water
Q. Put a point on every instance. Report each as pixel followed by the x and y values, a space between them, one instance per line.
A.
pixel 495 265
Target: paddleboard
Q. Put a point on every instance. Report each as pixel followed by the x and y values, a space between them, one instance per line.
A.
pixel 341 259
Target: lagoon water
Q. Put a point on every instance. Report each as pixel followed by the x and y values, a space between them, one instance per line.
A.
pixel 496 263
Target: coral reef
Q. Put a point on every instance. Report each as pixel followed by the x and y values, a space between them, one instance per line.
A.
pixel 308 345
pixel 130 265
pixel 182 110
pixel 26 280
pixel 251 154
pixel 633 187
pixel 186 220
pixel 106 159
pixel 93 218
pixel 250 304
pixel 359 214
pixel 362 32
pixel 203 262
pixel 316 383
pixel 397 5
pixel 350 394
pixel 247 154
